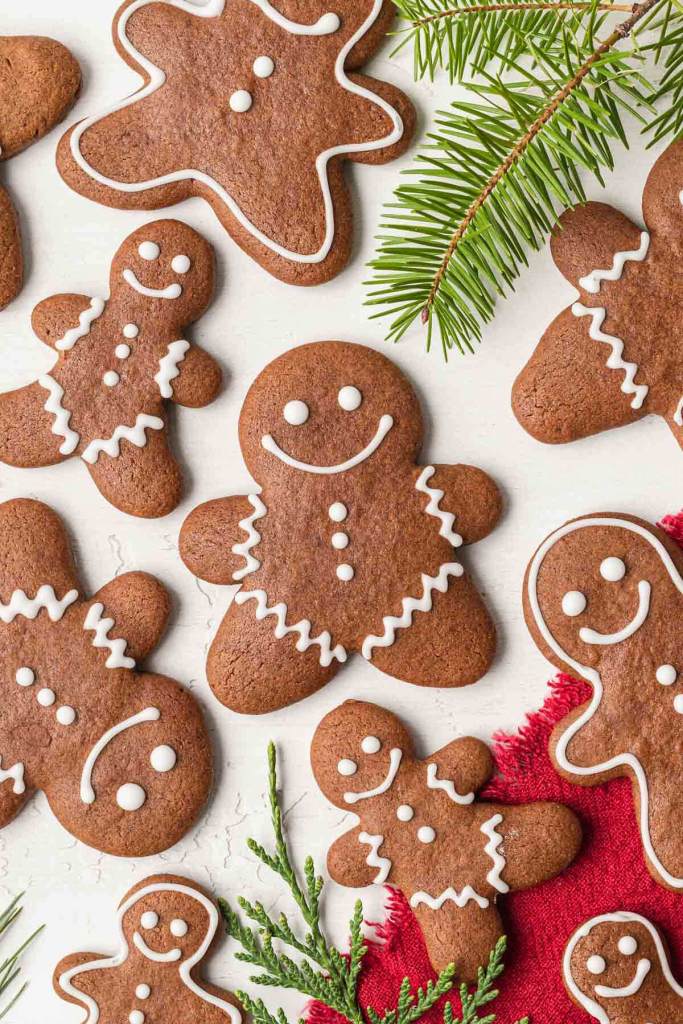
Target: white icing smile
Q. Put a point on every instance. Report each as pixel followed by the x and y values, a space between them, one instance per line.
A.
pixel 394 762
pixel 591 636
pixel 385 424
pixel 642 971
pixel 158 958
pixel 173 291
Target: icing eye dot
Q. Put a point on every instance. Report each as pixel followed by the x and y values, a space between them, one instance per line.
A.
pixel 111 378
pixel 163 758
pixel 66 715
pixel 573 603
pixel 347 767
pixel 345 572
pixel 678 704
pixel 149 920
pixel 143 991
pixel 264 67
pixel 149 251
pixel 46 697
pixel 130 797
pixel 25 676
pixel 136 1017
pixel 627 945
pixel 371 745
pixel 613 569
pixel 596 964
pixel 666 675
pixel 349 398
pixel 340 541
pixel 131 331
pixel 405 812
pixel 241 101
pixel 338 512
pixel 181 264
pixel 178 927
pixel 122 351
pixel 296 413
pixel 426 834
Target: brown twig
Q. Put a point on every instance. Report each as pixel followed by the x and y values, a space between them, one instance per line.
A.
pixel 528 5
pixel 622 31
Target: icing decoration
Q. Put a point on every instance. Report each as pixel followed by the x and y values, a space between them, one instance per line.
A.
pixel 143 992
pixel 87 792
pixel 627 945
pixel 340 541
pixel 296 413
pixel 593 676
pixel 345 572
pixel 179 928
pixel 573 603
pixel 85 322
pixel 678 703
pixel 371 745
pixel 16 773
pixel 385 424
pixel 131 331
pixel 642 971
pixel 46 697
pixel 347 767
pixel 394 761
pixel 169 367
pixel 136 1017
pixel 111 378
pixel 122 351
pixel 373 859
pixel 241 101
pixel 461 899
pixel 149 251
pixel 591 636
pixel 435 495
pixel 492 848
pixel 613 569
pixel 100 626
pixel 678 415
pixel 54 406
pixel 158 958
pixel 593 281
pixel 172 291
pixel 338 512
pixel 596 964
pixel 447 785
pixel 264 67
pixel 615 360
pixel 163 758
pixel 180 264
pixel 149 920
pixel 405 812
pixel 253 538
pixel 349 398
pixel 29 607
pixel 411 605
pixel 65 715
pixel 303 628
pixel 111 446
pixel 426 834
pixel 25 676
pixel 130 797
pixel 328 24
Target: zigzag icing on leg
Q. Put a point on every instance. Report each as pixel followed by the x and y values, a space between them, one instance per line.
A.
pixel 112 445
pixel 303 628
pixel 254 537
pixel 101 627
pixel 435 495
pixel 21 604
pixel 615 360
pixel 53 405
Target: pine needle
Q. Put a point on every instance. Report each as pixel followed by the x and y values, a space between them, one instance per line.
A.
pixel 9 968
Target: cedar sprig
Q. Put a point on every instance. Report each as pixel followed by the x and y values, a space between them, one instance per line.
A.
pixel 10 968
pixel 484 993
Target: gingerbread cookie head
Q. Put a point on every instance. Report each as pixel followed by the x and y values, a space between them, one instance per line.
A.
pixel 327 408
pixel 603 600
pixel 167 926
pixel 123 756
pixel 615 355
pixel 617 969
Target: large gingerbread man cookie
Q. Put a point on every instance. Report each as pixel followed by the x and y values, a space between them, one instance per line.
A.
pixel 122 755
pixel 275 100
pixel 118 361
pixel 604 600
pixel 167 927
pixel 350 546
pixel 423 829
pixel 617 969
pixel 39 82
pixel 616 354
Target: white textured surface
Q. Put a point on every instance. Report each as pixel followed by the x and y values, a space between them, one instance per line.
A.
pixel 70 242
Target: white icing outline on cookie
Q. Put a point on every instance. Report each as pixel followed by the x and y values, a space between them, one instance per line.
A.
pixel 385 424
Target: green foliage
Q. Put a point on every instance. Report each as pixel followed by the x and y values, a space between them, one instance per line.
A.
pixel 9 968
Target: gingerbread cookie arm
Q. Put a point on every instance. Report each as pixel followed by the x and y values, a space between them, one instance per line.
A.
pixel 11 257
pixel 12 802
pixel 61 320
pixel 594 245
pixel 140 476
pixel 219 539
pixel 529 844
pixel 64 986
pixel 34 426
pixel 199 379
pixel 139 606
pixel 406 111
pixel 468 494
pixel 355 860
pixel 465 765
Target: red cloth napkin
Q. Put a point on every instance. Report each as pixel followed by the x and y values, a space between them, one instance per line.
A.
pixel 609 874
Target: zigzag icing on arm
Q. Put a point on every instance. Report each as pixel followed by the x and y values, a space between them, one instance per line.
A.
pixel 254 537
pixel 373 859
pixel 410 605
pixel 303 628
pixel 16 773
pixel 492 848
pixel 85 322
pixel 101 627
pixel 29 607
pixel 449 895
pixel 53 405
pixel 435 495
pixel 112 445
pixel 169 367
pixel 593 281
pixel 616 359
pixel 448 787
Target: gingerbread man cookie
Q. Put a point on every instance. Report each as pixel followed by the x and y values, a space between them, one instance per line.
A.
pixel 617 969
pixel 616 354
pixel 123 756
pixel 604 600
pixel 118 361
pixel 276 102
pixel 39 82
pixel 167 926
pixel 423 829
pixel 350 546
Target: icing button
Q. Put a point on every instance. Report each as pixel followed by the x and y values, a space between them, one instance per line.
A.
pixel 405 812
pixel 241 101
pixel 46 697
pixel 122 351
pixel 666 675
pixel 66 715
pixel 426 834
pixel 340 540
pixel 143 992
pixel 111 378
pixel 136 1017
pixel 345 572
pixel 264 67
pixel 25 676
pixel 338 512
pixel 131 331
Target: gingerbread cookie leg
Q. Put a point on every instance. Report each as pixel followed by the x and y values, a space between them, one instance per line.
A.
pixel 11 258
pixel 140 476
pixel 34 425
pixel 463 935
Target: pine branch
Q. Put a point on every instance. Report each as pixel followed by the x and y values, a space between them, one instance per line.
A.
pixel 9 968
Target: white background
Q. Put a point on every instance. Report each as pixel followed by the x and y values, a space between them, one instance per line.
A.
pixel 69 245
